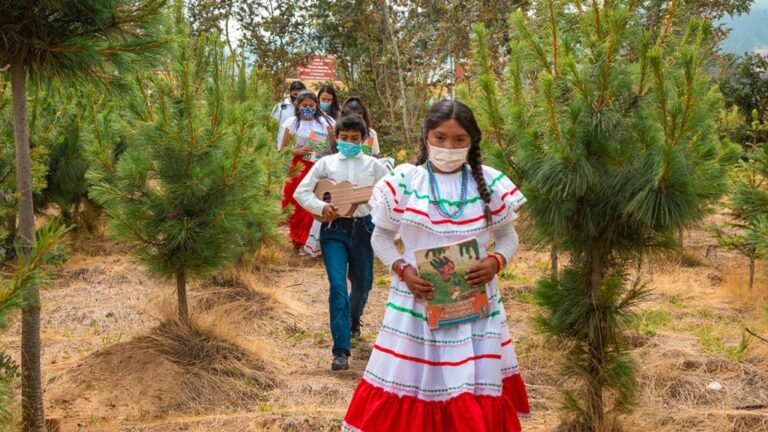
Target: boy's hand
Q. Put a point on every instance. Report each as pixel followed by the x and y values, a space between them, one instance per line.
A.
pixel 330 213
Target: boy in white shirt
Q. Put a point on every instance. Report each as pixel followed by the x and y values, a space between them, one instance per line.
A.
pixel 345 240
pixel 285 110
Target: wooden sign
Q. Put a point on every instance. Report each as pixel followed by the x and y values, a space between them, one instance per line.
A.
pixel 319 68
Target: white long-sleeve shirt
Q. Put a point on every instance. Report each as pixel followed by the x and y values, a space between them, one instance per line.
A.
pixel 283 111
pixel 361 171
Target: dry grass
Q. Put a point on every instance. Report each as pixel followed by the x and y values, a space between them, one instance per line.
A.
pixel 696 324
pixel 243 294
pixel 221 370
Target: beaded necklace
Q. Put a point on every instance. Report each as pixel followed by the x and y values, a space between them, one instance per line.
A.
pixel 435 190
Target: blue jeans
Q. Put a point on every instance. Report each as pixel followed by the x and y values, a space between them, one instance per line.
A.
pixel 347 252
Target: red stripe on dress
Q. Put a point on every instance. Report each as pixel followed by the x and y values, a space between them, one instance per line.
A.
pixel 391 189
pixel 448 221
pixel 505 343
pixel 512 192
pixel 436 363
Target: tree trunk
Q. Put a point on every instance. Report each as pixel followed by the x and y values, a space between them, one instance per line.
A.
pixel 181 293
pixel 31 382
pixel 751 273
pixel 595 404
pixel 553 261
pixel 401 81
pixel 10 226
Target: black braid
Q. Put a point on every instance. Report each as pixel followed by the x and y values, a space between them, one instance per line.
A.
pixel 475 162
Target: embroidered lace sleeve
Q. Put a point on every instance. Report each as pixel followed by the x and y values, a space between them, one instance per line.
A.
pixel 388 199
pixel 506 197
pixel 383 243
pixel 507 241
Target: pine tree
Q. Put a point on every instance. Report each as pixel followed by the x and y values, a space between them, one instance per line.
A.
pixel 746 231
pixel 189 191
pixel 26 276
pixel 43 40
pixel 615 142
pixel 65 185
pixel 491 97
pixel 49 118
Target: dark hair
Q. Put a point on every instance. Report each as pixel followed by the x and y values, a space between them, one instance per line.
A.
pixel 451 109
pixel 355 105
pixel 318 112
pixel 334 111
pixel 297 85
pixel 352 123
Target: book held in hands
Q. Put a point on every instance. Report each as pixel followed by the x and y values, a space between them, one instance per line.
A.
pixel 454 300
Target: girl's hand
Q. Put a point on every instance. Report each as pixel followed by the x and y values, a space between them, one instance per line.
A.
pixel 420 288
pixel 482 272
pixel 302 151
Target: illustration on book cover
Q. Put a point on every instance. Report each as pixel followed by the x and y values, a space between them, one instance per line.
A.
pixel 454 301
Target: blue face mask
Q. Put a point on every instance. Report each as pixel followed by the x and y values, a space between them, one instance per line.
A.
pixel 307 112
pixel 325 106
pixel 348 150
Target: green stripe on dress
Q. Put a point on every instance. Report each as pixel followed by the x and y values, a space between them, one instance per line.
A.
pixel 432 391
pixel 421 316
pixel 414 193
pixel 442 342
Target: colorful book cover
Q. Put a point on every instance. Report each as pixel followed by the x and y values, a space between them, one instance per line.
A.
pixel 368 146
pixel 454 301
pixel 317 141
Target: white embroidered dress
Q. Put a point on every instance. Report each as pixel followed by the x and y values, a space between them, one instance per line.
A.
pixel 460 378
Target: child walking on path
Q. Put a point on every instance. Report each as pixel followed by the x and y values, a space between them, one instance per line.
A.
pixel 345 240
pixel 459 378
pixel 309 118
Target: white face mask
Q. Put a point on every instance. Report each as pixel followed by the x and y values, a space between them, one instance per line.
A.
pixel 447 160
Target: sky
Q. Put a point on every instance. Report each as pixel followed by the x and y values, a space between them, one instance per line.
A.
pixel 749 32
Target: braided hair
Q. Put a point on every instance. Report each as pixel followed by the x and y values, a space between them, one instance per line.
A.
pixel 451 109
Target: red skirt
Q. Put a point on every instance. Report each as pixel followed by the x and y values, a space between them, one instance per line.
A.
pixel 375 410
pixel 300 220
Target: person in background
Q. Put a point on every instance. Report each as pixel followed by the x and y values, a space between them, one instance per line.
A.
pixel 285 110
pixel 355 105
pixel 345 240
pixel 293 136
pixel 329 103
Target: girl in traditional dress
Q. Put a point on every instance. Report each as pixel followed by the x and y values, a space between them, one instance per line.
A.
pixel 293 137
pixel 459 378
